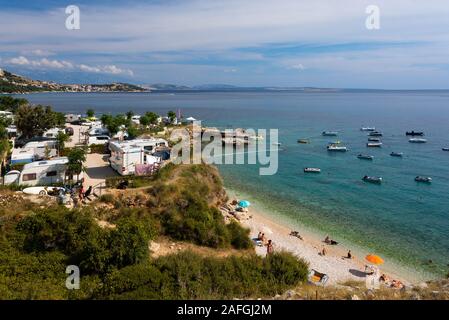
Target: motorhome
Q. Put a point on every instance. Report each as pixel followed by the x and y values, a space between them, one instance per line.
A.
pixel 71 118
pixel 42 149
pixel 125 155
pixel 22 155
pixel 40 173
pixel 6 114
pixel 98 131
pixel 52 133
pixel 94 140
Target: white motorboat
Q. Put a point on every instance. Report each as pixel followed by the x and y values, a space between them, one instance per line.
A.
pixel 367 129
pixel 396 154
pixel 423 179
pixel 312 170
pixel 365 157
pixel 330 133
pixel 377 180
pixel 374 144
pixel 417 140
pixel 336 148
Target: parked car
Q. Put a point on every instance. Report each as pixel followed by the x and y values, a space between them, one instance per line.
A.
pixel 69 131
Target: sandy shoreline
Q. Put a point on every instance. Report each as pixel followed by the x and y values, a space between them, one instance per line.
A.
pixel 334 264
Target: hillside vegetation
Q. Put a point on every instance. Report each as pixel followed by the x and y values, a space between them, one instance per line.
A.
pixel 38 241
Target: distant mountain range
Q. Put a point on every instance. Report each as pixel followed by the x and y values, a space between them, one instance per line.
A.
pixel 227 87
pixel 12 83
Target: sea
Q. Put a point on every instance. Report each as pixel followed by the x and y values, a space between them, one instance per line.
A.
pixel 405 222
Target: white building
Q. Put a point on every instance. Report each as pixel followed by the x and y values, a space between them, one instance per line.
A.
pixel 125 155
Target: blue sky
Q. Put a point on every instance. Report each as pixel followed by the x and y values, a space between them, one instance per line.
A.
pixel 248 43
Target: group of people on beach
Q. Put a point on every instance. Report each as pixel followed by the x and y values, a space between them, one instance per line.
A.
pixel 268 243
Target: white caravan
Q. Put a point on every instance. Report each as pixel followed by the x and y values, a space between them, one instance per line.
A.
pixel 22 155
pixel 125 155
pixel 40 173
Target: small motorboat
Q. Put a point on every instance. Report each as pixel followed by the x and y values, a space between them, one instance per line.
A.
pixel 330 133
pixel 374 144
pixel 417 140
pixel 423 179
pixel 445 149
pixel 367 129
pixel 277 144
pixel 374 139
pixel 375 134
pixel 365 157
pixel 312 170
pixel 396 154
pixel 414 133
pixel 370 179
pixel 337 148
pixel 303 141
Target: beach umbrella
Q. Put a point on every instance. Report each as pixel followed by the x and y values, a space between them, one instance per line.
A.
pixel 244 203
pixel 374 259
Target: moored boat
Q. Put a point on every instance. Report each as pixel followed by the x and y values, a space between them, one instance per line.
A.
pixel 367 129
pixel 374 139
pixel 365 157
pixel 337 148
pixel 396 154
pixel 445 149
pixel 375 134
pixel 417 140
pixel 414 133
pixel 374 144
pixel 423 179
pixel 330 133
pixel 304 141
pixel 312 170
pixel 372 179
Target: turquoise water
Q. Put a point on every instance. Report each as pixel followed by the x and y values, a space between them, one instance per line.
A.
pixel 405 221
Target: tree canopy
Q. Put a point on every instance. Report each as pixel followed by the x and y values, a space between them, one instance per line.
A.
pixel 35 120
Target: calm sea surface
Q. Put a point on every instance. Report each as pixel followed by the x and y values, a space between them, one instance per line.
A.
pixel 404 221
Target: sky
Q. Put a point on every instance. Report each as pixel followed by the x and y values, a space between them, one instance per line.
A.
pixel 294 43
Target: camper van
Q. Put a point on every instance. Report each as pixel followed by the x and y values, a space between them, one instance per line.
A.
pixel 6 114
pixel 98 131
pixel 127 154
pixel 22 155
pixel 94 140
pixel 40 173
pixel 41 148
pixel 52 133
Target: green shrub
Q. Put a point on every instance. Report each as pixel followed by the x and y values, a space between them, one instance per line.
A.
pixel 107 198
pixel 239 236
pixel 189 276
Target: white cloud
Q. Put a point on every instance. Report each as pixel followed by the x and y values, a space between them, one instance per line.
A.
pixel 22 61
pixel 297 66
pixel 45 63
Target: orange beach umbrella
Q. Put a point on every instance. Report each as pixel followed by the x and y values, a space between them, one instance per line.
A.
pixel 374 259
